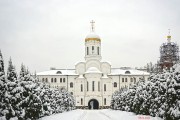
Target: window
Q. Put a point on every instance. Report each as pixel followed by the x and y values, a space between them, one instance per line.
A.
pixel 127 72
pixel 131 79
pixel 63 79
pixel 104 101
pixel 92 49
pixel 104 87
pixel 87 50
pixel 125 79
pixel 71 85
pixel 71 93
pixel 81 101
pixel 58 72
pixel 134 80
pixel 93 85
pixel 122 79
pixel 51 79
pixel 81 87
pixel 43 80
pixel 55 80
pixel 60 80
pixel 98 50
pixel 87 86
pixel 115 84
pixel 46 80
pixel 98 86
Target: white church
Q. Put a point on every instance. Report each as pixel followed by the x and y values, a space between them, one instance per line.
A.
pixel 93 81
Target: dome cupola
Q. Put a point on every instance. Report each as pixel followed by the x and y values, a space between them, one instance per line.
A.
pixel 92 45
pixel 92 36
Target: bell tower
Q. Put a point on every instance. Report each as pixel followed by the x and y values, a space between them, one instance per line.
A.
pixel 92 44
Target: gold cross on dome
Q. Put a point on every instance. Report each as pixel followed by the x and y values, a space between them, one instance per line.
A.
pixel 92 25
pixel 169 31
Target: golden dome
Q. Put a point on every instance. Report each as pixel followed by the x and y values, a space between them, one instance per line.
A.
pixel 168 36
pixel 92 36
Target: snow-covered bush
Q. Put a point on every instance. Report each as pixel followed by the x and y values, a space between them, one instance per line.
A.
pixel 159 96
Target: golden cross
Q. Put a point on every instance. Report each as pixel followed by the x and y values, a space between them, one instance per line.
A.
pixel 169 31
pixel 92 25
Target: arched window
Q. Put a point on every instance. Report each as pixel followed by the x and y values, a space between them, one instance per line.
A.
pixel 63 79
pixel 125 79
pixel 115 84
pixel 60 80
pixel 87 50
pixel 98 50
pixel 92 49
pixel 93 85
pixel 81 87
pixel 131 79
pixel 104 87
pixel 87 86
pixel 134 80
pixel 98 86
pixel 71 85
pixel 55 80
pixel 81 101
pixel 58 72
pixel 104 101
pixel 127 72
pixel 51 79
pixel 42 79
pixel 46 80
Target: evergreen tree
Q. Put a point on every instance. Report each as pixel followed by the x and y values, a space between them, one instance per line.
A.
pixel 159 96
pixel 11 92
pixel 30 106
pixel 2 86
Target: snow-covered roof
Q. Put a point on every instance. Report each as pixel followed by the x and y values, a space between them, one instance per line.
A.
pixel 58 72
pixel 92 35
pixel 127 71
pixel 114 71
pixel 93 70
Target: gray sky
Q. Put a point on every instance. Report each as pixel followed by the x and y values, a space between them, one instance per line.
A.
pixel 51 33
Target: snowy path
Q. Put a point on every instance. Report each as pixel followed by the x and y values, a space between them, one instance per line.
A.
pixel 105 114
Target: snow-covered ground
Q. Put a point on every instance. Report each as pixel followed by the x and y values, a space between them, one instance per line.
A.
pixel 105 114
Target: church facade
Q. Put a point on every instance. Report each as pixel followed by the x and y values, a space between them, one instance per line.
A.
pixel 93 81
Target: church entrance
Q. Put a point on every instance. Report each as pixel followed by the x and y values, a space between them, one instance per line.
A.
pixel 93 104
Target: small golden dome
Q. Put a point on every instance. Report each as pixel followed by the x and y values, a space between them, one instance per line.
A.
pixel 92 36
pixel 168 36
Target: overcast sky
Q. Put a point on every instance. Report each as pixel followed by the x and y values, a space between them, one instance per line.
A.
pixel 51 33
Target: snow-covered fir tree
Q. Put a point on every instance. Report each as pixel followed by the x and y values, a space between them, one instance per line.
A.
pixel 11 94
pixel 2 86
pixel 30 106
pixel 23 97
pixel 159 96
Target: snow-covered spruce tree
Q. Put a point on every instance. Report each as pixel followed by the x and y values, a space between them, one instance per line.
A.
pixel 172 111
pixel 69 102
pixel 2 86
pixel 154 84
pixel 30 106
pixel 56 100
pixel 11 95
pixel 139 97
pixel 45 96
pixel 119 99
pixel 130 97
pixel 159 96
